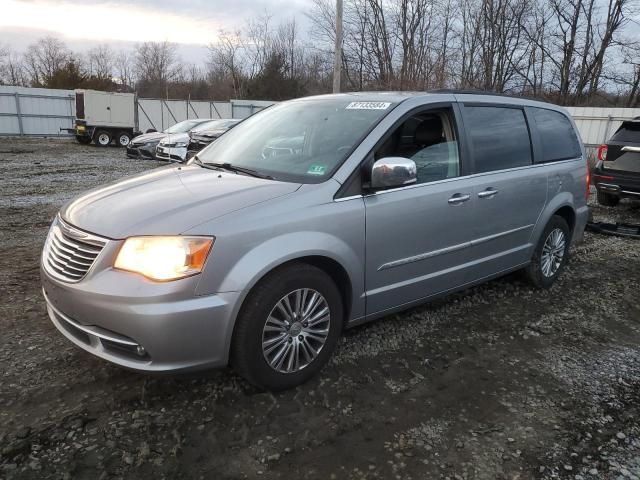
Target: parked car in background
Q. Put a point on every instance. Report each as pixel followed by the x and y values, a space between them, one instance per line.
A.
pixel 617 173
pixel 144 146
pixel 174 148
pixel 261 260
pixel 205 134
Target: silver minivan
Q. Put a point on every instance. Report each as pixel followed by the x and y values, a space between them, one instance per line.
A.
pixel 314 215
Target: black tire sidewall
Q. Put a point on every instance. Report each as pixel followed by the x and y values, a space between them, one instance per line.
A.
pixel 536 274
pixel 121 134
pixel 97 138
pixel 247 356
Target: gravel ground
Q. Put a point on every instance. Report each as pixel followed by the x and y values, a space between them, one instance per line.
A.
pixel 499 382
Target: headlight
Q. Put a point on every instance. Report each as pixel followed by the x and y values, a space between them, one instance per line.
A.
pixel 164 258
pixel 182 144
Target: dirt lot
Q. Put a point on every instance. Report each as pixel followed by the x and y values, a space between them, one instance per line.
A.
pixel 498 382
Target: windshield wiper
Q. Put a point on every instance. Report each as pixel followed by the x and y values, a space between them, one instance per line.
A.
pixel 236 169
pixel 197 161
pixel 230 168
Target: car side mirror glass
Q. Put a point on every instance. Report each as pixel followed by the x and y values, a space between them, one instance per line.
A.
pixel 392 172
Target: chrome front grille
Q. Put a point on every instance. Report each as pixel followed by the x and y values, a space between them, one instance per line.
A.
pixel 69 253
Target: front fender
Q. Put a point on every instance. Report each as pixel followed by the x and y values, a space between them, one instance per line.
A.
pixel 266 256
pixel 259 261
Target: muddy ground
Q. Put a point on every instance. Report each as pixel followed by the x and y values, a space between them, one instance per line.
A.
pixel 501 381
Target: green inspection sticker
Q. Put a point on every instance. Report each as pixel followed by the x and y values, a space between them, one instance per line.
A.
pixel 317 170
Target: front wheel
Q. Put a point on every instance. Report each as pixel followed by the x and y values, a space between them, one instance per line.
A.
pixel 102 138
pixel 287 328
pixel 551 253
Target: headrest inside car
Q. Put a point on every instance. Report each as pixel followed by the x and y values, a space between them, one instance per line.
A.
pixel 429 132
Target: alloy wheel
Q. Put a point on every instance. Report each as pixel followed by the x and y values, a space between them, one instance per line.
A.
pixel 552 252
pixel 296 330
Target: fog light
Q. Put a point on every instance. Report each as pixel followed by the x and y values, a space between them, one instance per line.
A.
pixel 141 351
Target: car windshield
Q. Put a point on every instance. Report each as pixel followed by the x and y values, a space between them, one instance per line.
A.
pixel 215 124
pixel 301 141
pixel 183 127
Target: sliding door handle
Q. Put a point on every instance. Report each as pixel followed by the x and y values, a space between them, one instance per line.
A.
pixel 458 198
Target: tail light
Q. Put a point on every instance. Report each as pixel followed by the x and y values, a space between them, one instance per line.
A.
pixel 602 152
pixel 588 189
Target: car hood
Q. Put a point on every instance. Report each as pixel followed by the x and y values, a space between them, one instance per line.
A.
pixel 210 133
pixel 148 137
pixel 168 201
pixel 175 137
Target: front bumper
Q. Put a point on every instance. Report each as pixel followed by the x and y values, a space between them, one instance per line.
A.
pixel 141 151
pixel 171 154
pixel 142 325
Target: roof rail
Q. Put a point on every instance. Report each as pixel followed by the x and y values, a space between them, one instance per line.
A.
pixel 462 91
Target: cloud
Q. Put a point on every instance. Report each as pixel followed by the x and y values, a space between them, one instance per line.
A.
pixel 195 22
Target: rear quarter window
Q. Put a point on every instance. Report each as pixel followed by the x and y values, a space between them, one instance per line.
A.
pixel 629 132
pixel 558 137
pixel 499 137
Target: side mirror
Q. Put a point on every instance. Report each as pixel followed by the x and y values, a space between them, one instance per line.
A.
pixel 392 172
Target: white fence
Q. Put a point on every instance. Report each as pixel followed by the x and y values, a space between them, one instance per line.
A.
pixel 35 111
pixel 47 112
pixel 597 124
pixel 44 112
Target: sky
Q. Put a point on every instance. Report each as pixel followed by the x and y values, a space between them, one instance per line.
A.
pixel 82 24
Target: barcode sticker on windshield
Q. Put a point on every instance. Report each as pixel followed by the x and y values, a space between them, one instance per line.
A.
pixel 368 105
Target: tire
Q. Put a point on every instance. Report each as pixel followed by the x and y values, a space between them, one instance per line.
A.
pixel 102 138
pixel 608 200
pixel 540 273
pixel 260 308
pixel 83 140
pixel 123 139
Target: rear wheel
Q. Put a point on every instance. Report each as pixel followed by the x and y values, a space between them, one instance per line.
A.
pixel 287 328
pixel 102 138
pixel 551 253
pixel 608 200
pixel 123 139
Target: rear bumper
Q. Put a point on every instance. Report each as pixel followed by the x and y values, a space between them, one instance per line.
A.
pixel 614 183
pixel 582 218
pixel 151 327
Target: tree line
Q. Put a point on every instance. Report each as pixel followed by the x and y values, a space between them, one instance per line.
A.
pixel 572 52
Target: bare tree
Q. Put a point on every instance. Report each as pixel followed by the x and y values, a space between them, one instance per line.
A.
pixel 11 68
pixel 101 62
pixel 44 58
pixel 124 67
pixel 156 65
pixel 226 62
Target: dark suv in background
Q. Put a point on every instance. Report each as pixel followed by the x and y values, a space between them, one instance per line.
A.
pixel 617 173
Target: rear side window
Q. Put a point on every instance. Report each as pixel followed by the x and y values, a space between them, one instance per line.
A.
pixel 558 138
pixel 628 132
pixel 499 137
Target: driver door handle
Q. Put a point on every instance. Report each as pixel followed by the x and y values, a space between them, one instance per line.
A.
pixel 488 193
pixel 458 198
